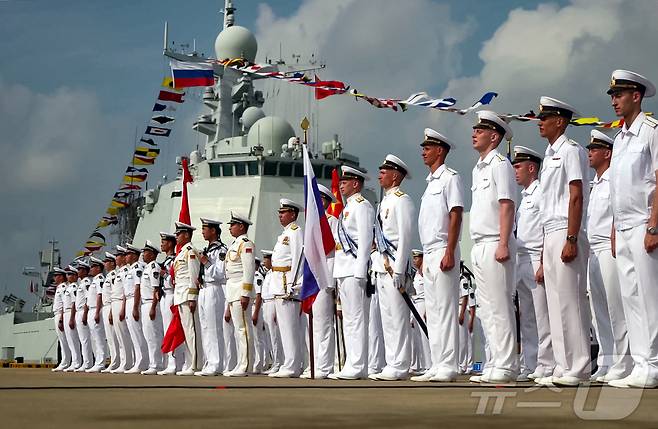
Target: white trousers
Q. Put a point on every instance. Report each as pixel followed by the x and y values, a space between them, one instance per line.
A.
pixel 395 315
pixel 111 336
pixel 273 334
pixel 211 303
pixel 495 288
pixel 441 294
pixel 355 326
pixel 73 340
pixel 137 336
pixel 126 352
pixel 98 341
pixel 324 340
pixel 230 348
pixel 638 274
pixel 261 343
pixel 243 337
pixel 421 359
pixel 608 316
pixel 153 334
pixel 175 359
pixel 376 351
pixel 568 309
pixel 85 340
pixel 465 343
pixel 190 322
pixel 290 328
pixel 63 342
pixel 481 344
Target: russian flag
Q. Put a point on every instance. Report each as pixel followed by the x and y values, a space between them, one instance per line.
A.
pixel 192 74
pixel 318 239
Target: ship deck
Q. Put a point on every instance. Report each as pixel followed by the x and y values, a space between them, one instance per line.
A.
pixel 40 398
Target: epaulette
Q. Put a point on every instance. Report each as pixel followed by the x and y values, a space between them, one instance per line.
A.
pixel 294 227
pixel 500 157
pixel 245 239
pixel 450 170
pixel 652 122
pixel 360 199
pixel 399 193
pixel 572 143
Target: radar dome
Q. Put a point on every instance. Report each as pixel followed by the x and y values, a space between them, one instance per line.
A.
pixel 250 116
pixel 271 132
pixel 236 42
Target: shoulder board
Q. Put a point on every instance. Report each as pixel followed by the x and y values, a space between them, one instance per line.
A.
pixel 399 193
pixel 450 170
pixel 188 246
pixel 294 227
pixel 245 239
pixel 652 122
pixel 360 199
pixel 500 157
pixel 572 143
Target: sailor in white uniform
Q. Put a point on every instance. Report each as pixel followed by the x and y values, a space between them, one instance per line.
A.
pixel 286 287
pixel 536 348
pixel 94 316
pixel 134 308
pixel 466 316
pixel 186 295
pixel 355 235
pixel 240 270
pixel 211 297
pixel 260 338
pixel 439 226
pixel 176 358
pixel 564 179
pixel 149 286
pixel 81 313
pixel 614 360
pixel 633 178
pixel 69 302
pixel 118 314
pixel 269 315
pixel 59 277
pixel 421 359
pixel 494 246
pixel 393 236
pixel 112 341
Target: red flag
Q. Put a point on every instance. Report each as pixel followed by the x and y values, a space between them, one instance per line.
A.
pixel 176 97
pixel 336 208
pixel 328 88
pixel 175 335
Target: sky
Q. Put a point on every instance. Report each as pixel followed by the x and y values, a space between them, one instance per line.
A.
pixel 78 79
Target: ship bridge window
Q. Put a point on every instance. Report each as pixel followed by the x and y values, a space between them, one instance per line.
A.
pixel 299 170
pixel 328 169
pixel 285 169
pixel 215 170
pixel 270 168
pixel 240 169
pixel 227 169
pixel 252 167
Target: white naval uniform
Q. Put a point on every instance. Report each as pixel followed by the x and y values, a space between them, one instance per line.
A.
pixel 58 308
pixel 633 181
pixel 566 284
pixel 536 347
pixel 176 358
pixel 83 328
pixel 260 336
pixel 465 337
pixel 324 338
pixel 443 193
pixel 286 289
pixel 68 300
pixel 110 334
pixel 186 289
pixel 395 216
pixel 97 330
pixel 130 281
pixel 271 326
pixel 608 318
pixel 152 328
pixel 493 182
pixel 376 352
pixel 355 234
pixel 240 270
pixel 421 359
pixel 211 308
pixel 126 352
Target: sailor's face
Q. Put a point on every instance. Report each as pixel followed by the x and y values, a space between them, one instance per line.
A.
pixel 522 172
pixel 348 187
pixel 165 245
pixel 418 262
pixel 109 266
pixel 95 270
pixel 208 232
pixel 387 177
pixel 482 138
pixel 598 156
pixel 286 216
pixel 548 125
pixel 326 202
pixel 430 153
pixel 623 101
pixel 59 278
pixel 148 256
pixel 235 229
pixel 71 278
pixel 267 262
pixel 182 237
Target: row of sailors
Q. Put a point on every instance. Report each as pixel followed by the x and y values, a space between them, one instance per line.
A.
pixel 567 243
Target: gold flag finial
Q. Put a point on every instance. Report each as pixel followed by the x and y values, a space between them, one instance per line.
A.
pixel 305 124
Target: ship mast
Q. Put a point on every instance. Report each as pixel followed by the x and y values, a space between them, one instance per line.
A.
pixel 229 12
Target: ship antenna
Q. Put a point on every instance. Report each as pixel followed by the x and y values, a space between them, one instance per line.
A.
pixel 229 13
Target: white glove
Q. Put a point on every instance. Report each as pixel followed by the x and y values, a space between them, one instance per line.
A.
pixel 398 281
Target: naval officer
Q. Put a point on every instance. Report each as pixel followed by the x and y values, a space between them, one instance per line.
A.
pixel 536 348
pixel 355 235
pixel 393 236
pixel 211 297
pixel 118 314
pixel 134 308
pixel 564 200
pixel 269 315
pixel 286 287
pixel 240 270
pixel 439 225
pixel 167 246
pixel 149 284
pixel 59 277
pixel 94 317
pixel 69 302
pixel 633 177
pixel 491 228
pixel 110 265
pixel 186 294
pixel 81 313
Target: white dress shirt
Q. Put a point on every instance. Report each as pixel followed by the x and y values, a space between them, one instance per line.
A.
pixel 599 213
pixel 529 229
pixel 356 226
pixel 396 213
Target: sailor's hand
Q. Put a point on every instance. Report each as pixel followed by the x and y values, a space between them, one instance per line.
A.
pixel 152 313
pixel 448 261
pixel 650 242
pixel 227 315
pixel 613 243
pixel 97 317
pixel 461 318
pixel 470 325
pixel 254 319
pixel 122 315
pixel 192 305
pixel 569 252
pixel 203 259
pixel 72 324
pixel 539 275
pixel 136 314
pixel 398 281
pixel 60 325
pixel 339 313
pixel 244 302
pixel 110 319
pixel 502 253
pixel 84 319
